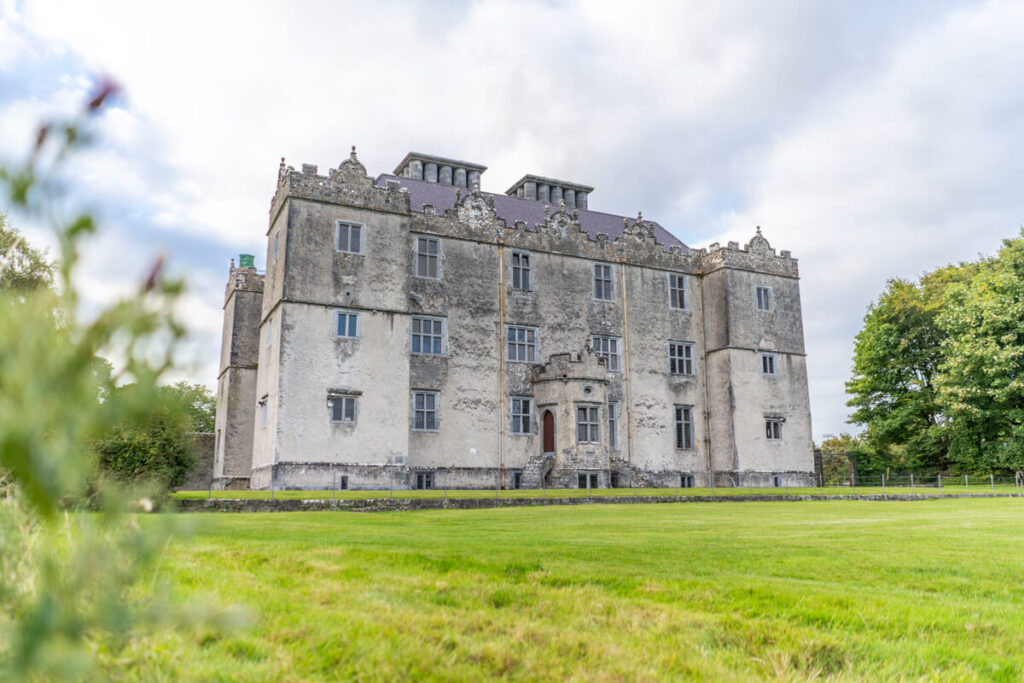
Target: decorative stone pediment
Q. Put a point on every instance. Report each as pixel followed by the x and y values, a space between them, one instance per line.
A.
pixel 560 220
pixel 639 230
pixel 758 245
pixel 351 172
pixel 478 212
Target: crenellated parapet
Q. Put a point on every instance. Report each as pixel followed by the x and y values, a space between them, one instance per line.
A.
pixel 243 279
pixel 474 218
pixel 348 185
pixel 758 255
pixel 585 365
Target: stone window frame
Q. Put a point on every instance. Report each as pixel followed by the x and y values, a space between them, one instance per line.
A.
pixel 521 419
pixel 686 481
pixel 591 422
pixel 437 256
pixel 614 359
pixel 773 428
pixel 424 480
pixel 339 403
pixel 677 292
pixel 361 227
pixel 349 316
pixel 604 282
pixel 764 298
pixel 613 425
pixel 442 337
pixel 769 364
pixel 588 479
pixel 434 397
pixel 523 344
pixel 523 271
pixel 684 428
pixel 681 358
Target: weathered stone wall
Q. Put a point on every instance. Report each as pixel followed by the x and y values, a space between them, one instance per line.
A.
pixel 302 362
pixel 201 475
pixel 236 382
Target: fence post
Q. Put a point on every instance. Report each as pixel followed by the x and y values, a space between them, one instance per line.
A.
pixel 209 496
pixel 967 484
pixel 883 483
pixel 992 482
pixel 334 484
pixel 633 482
pixel 590 495
pixel 446 493
pixel 391 486
pixel 911 482
pixel 940 480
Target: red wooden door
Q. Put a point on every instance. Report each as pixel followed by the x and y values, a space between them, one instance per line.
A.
pixel 549 432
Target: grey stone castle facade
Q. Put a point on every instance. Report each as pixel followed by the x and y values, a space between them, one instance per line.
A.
pixel 414 331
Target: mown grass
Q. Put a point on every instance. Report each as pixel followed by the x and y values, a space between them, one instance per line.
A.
pixel 577 493
pixel 734 591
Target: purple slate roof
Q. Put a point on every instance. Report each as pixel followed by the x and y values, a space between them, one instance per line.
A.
pixel 512 209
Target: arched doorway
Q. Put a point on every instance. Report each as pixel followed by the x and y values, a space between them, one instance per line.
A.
pixel 549 432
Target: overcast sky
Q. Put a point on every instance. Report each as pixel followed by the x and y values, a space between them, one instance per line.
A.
pixel 871 142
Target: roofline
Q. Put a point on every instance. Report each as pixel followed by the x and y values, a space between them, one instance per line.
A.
pixel 430 157
pixel 550 181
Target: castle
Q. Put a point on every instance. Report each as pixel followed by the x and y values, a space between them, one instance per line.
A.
pixel 412 331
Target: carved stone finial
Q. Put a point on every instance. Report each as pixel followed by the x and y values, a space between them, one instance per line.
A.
pixel 458 195
pixel 232 263
pixel 625 223
pixel 352 154
pixel 547 210
pixel 639 216
pixel 282 162
pixel 476 188
pixel 561 205
pixel 759 230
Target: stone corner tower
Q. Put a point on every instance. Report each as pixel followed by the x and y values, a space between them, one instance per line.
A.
pixel 236 381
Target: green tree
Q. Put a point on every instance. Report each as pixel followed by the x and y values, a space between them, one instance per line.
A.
pixel 155 449
pixel 22 268
pixel 982 381
pixel 198 402
pixel 159 448
pixel 896 359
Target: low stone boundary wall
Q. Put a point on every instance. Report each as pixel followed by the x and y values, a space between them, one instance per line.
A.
pixel 385 504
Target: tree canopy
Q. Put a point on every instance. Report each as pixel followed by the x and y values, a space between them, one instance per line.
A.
pixel 938 373
pixel 22 268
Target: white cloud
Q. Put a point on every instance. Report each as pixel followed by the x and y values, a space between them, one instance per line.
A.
pixel 870 142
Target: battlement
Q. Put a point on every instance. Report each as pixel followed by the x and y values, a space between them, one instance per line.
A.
pixel 244 279
pixel 585 365
pixel 758 255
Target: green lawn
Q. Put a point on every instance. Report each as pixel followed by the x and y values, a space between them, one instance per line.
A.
pixel 732 591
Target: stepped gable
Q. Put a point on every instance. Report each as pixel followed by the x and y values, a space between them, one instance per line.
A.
pixel 512 209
